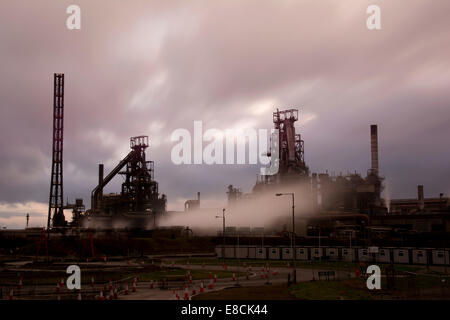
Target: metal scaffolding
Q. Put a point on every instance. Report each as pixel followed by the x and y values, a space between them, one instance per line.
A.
pixel 55 203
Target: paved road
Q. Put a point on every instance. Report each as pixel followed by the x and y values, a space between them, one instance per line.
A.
pixel 275 276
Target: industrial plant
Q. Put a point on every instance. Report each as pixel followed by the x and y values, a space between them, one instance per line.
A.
pixel 341 218
pixel 338 205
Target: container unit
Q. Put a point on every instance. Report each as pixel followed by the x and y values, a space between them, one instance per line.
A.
pixel 218 251
pixel 384 255
pixel 241 252
pixel 363 255
pixel 348 254
pixel 419 256
pixel 332 254
pixel 401 255
pixel 287 253
pixel 440 256
pixel 316 253
pixel 252 252
pixel 302 254
pixel 261 253
pixel 274 253
pixel 230 252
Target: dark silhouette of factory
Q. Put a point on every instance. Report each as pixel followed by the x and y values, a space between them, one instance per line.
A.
pixel 338 203
pixel 344 204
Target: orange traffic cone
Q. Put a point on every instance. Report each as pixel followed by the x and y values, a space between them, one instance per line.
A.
pixel 20 283
pixel 215 277
pixel 11 294
pixel 100 297
pixel 202 289
pixel 186 293
pixel 211 284
pixel 92 282
pixel 61 283
pixel 126 288
pixel 79 295
pixel 134 286
pixel 210 275
pixel 110 285
pixel 111 294
pixel 234 277
pixel 115 293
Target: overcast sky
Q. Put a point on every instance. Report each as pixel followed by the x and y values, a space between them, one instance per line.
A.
pixel 150 67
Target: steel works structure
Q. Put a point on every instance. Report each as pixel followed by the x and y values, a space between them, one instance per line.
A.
pixel 138 205
pixel 55 202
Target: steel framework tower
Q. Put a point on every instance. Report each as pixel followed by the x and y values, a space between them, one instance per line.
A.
pixel 55 203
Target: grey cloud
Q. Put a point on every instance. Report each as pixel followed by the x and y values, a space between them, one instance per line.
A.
pixel 217 59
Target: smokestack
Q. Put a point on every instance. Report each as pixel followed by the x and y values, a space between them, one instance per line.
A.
pixel 198 198
pixel 374 147
pixel 420 197
pixel 100 182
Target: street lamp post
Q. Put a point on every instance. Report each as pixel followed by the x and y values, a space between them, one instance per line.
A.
pixel 294 260
pixel 223 233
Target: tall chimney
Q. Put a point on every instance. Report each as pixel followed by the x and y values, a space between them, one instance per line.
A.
pixel 374 147
pixel 100 182
pixel 420 197
pixel 198 198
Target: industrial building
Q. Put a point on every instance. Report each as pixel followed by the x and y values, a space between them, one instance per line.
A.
pixel 340 206
pixel 344 206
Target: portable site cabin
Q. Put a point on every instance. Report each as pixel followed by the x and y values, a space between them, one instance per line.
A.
pixel 230 252
pixel 332 254
pixel 302 254
pixel 218 251
pixel 274 253
pixel 241 252
pixel 384 255
pixel 348 254
pixel 363 255
pixel 401 255
pixel 261 253
pixel 252 252
pixel 287 253
pixel 419 256
pixel 440 257
pixel 316 253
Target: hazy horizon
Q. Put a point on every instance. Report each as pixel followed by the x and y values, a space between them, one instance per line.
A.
pixel 150 67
